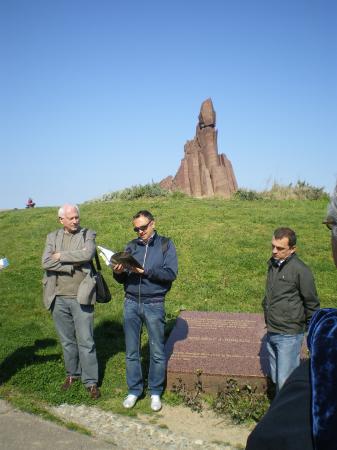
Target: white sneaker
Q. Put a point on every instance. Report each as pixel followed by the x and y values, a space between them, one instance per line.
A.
pixel 155 403
pixel 130 401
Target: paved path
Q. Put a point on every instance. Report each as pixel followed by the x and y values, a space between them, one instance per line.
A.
pixel 19 430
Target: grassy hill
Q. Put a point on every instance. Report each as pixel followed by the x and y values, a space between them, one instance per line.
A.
pixel 222 248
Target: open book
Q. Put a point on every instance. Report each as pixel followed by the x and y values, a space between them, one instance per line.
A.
pixel 111 258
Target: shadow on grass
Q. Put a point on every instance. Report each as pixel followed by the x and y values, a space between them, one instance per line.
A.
pixel 25 356
pixel 109 340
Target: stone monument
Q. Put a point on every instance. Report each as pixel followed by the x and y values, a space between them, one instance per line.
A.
pixel 219 346
pixel 203 172
pixel 214 347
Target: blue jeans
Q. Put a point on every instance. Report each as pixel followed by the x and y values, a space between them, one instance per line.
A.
pixel 284 355
pixel 153 315
pixel 74 324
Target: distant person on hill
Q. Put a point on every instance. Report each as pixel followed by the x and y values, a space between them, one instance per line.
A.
pixel 145 291
pixel 69 293
pixel 30 203
pixel 289 303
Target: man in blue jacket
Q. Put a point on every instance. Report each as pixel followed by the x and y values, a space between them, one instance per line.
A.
pixel 145 289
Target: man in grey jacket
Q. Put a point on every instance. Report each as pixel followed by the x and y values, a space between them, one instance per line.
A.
pixel 290 301
pixel 69 293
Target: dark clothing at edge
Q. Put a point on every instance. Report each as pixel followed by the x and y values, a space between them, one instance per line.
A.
pixel 287 423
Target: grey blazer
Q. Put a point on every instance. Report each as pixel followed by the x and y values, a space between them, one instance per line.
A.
pixel 83 252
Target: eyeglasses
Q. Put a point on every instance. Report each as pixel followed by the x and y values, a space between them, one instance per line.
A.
pixel 142 227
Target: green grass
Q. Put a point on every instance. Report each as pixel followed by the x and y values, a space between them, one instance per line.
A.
pixel 222 248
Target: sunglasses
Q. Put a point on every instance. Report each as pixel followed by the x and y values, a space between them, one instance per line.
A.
pixel 142 227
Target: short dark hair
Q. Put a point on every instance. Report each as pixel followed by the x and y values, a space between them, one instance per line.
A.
pixel 283 232
pixel 144 213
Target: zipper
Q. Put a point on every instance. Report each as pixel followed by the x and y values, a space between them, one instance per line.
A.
pixel 140 276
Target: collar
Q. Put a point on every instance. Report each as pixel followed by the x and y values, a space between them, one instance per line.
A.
pixel 149 241
pixel 279 262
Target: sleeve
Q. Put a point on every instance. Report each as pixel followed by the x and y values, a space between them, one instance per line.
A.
pixel 169 270
pixel 50 264
pixel 83 255
pixel 308 293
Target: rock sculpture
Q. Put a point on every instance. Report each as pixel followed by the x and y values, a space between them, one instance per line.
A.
pixel 203 172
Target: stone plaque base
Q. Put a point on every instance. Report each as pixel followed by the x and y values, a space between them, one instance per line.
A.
pixel 220 346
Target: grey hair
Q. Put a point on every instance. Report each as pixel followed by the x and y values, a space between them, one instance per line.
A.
pixel 332 212
pixel 67 206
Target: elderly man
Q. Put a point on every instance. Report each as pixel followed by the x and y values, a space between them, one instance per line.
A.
pixel 145 290
pixel 290 301
pixel 69 293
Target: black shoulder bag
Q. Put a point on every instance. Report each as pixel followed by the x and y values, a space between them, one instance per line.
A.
pixel 103 294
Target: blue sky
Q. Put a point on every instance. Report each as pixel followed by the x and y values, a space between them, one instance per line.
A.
pixel 96 96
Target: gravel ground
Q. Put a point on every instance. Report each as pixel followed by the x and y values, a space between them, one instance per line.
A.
pixel 138 434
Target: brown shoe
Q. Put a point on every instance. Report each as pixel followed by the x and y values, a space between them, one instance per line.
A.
pixel 69 381
pixel 94 391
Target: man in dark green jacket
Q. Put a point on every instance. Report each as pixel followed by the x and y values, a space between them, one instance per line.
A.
pixel 290 301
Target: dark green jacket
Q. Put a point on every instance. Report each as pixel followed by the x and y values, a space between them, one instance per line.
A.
pixel 291 297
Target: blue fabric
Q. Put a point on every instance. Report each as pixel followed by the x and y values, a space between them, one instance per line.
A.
pixel 153 315
pixel 322 343
pixel 284 355
pixel 160 270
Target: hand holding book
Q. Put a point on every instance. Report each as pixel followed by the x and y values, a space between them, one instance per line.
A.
pixel 126 259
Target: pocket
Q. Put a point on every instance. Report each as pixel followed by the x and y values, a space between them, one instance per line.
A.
pixel 86 294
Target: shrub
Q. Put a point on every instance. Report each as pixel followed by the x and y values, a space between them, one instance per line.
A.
pixel 149 190
pixel 192 399
pixel 300 191
pixel 245 194
pixel 240 403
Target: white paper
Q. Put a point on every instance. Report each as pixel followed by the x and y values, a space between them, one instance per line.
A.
pixel 105 254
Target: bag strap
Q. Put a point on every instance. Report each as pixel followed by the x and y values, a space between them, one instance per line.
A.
pixel 164 244
pixel 98 264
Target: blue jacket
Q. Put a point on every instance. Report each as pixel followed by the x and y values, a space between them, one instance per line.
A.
pixel 160 270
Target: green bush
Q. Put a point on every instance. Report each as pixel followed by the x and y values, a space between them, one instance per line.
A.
pixel 245 194
pixel 150 190
pixel 300 191
pixel 240 403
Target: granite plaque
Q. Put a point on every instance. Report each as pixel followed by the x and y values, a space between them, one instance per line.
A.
pixel 220 346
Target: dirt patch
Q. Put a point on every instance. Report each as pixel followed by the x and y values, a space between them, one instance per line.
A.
pixel 206 426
